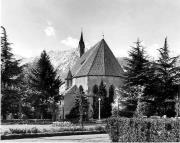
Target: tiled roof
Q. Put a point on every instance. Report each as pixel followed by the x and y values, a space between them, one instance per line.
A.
pixel 97 61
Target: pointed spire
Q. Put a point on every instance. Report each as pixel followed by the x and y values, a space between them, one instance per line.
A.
pixel 165 42
pixel 81 38
pixel 81 44
pixel 69 75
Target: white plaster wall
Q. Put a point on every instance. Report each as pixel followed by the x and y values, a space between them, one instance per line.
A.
pixel 81 81
pixel 107 80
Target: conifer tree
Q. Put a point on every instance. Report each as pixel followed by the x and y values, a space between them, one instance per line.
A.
pixel 111 98
pixel 45 83
pixel 168 77
pixel 10 77
pixel 136 66
pixel 135 76
pixel 95 101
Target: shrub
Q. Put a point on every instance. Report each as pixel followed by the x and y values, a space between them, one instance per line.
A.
pixel 24 130
pixel 143 130
pixel 62 124
pixel 144 109
pixel 27 121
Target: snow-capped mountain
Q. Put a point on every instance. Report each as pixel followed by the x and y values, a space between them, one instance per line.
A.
pixel 61 60
pixel 64 60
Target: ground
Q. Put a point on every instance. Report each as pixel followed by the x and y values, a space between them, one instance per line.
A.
pixel 75 138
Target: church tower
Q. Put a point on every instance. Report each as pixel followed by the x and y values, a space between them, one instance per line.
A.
pixel 81 45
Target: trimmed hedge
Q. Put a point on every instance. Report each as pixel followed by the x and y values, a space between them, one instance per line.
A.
pixel 143 130
pixel 27 121
pixel 35 135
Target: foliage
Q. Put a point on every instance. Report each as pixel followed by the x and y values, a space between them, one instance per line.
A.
pixel 23 131
pixel 136 66
pixel 101 92
pixel 44 81
pixel 143 130
pixel 126 101
pixel 168 77
pixel 29 129
pixel 163 77
pixel 135 80
pixel 145 109
pixel 75 111
pixel 95 101
pixel 10 78
pixel 27 121
pixel 62 124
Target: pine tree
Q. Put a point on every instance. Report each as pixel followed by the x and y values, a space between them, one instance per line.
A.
pixel 45 83
pixel 135 76
pixel 101 92
pixel 111 98
pixel 136 66
pixel 168 77
pixel 95 101
pixel 10 78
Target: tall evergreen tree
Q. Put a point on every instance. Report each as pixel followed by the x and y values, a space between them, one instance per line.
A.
pixel 111 98
pixel 136 66
pixel 168 77
pixel 135 77
pixel 95 101
pixel 10 78
pixel 44 81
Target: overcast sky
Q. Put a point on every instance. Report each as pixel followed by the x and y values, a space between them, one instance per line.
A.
pixel 34 25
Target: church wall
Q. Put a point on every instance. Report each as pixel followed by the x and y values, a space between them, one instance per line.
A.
pixel 81 81
pixel 69 101
pixel 107 80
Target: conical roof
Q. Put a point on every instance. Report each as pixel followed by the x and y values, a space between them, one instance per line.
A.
pixel 98 61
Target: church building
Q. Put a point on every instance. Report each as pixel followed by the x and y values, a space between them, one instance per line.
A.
pixel 93 66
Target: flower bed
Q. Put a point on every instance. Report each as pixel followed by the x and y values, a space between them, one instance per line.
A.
pixel 143 130
pixel 62 124
pixel 58 128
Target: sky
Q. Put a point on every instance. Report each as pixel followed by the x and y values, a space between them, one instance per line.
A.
pixel 36 25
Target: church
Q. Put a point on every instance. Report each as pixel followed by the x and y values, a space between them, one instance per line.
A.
pixel 93 66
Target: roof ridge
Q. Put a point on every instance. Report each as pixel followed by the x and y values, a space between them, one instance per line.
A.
pixel 104 57
pixel 94 59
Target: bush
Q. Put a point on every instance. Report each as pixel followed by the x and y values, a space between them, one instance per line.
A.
pixel 58 127
pixel 27 121
pixel 143 130
pixel 145 109
pixel 62 124
pixel 24 130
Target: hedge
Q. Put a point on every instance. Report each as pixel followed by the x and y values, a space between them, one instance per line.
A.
pixel 143 130
pixel 27 121
pixel 46 134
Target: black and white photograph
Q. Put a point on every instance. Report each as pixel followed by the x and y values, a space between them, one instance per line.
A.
pixel 96 71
